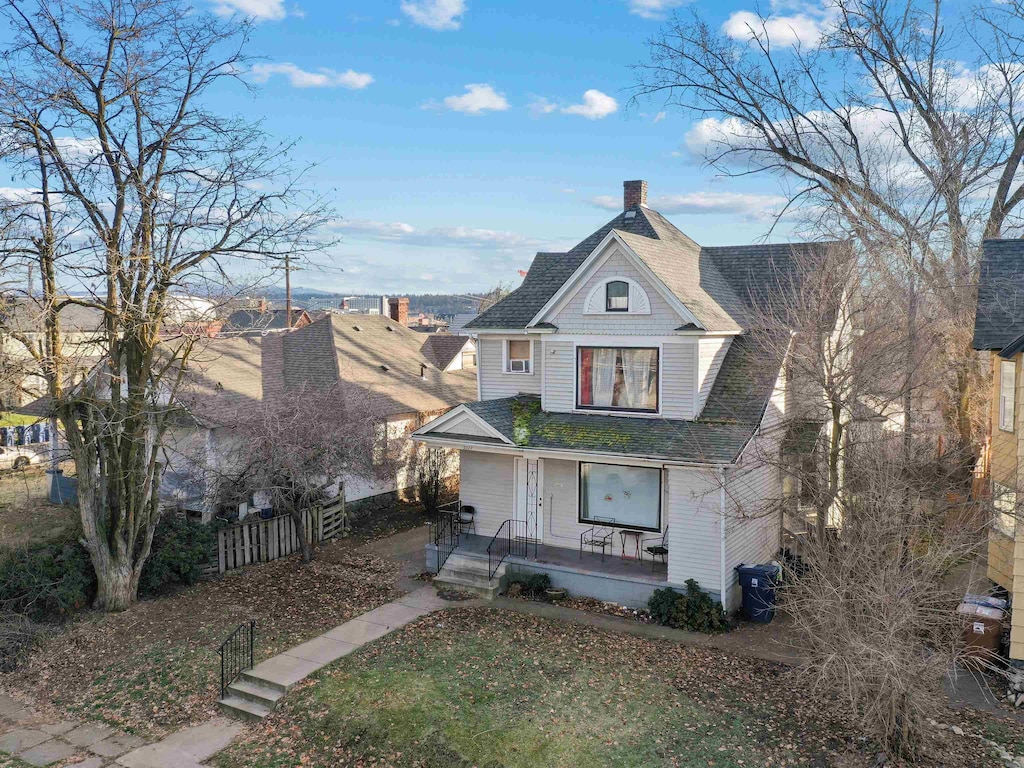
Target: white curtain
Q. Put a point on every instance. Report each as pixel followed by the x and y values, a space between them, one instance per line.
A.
pixel 638 383
pixel 603 376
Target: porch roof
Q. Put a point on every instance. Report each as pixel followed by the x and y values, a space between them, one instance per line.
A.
pixel 699 442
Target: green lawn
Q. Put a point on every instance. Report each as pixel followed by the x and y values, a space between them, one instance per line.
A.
pixel 9 419
pixel 484 688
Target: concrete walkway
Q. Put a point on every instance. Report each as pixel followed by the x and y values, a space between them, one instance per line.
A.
pixel 38 741
pixel 255 694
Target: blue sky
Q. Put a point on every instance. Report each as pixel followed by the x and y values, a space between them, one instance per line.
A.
pixel 458 137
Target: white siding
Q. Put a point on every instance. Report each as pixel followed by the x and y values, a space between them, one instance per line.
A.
pixel 494 382
pixel 571 318
pixel 694 518
pixel 677 380
pixel 487 484
pixel 561 500
pixel 464 425
pixel 711 352
pixel 753 490
pixel 559 374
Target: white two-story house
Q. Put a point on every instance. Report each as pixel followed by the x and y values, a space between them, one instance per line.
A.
pixel 624 417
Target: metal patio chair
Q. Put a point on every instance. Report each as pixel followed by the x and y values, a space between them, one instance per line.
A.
pixel 656 546
pixel 598 536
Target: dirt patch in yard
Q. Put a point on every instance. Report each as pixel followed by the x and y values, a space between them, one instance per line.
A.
pixel 155 668
pixel 480 687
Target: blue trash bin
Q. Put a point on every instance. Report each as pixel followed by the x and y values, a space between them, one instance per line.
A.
pixel 758 583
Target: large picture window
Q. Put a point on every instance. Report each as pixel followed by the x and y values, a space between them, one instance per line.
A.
pixel 631 496
pixel 617 378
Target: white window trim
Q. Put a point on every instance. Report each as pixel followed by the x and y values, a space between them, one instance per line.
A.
pixel 1007 415
pixel 638 343
pixel 637 300
pixel 505 359
pixel 1007 528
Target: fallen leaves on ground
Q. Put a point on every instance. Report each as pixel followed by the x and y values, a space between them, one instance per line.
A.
pixel 154 668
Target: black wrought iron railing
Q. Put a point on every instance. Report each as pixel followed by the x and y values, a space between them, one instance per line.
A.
pixel 446 531
pixel 236 654
pixel 514 538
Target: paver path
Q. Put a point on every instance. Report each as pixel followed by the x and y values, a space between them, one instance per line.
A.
pixel 36 741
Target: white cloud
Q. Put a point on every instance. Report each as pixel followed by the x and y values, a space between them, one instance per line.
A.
pixel 262 10
pixel 541 106
pixel 659 117
pixel 595 106
pixel 321 78
pixel 567 191
pixel 435 14
pixel 748 206
pixel 805 28
pixel 654 9
pixel 454 236
pixel 479 97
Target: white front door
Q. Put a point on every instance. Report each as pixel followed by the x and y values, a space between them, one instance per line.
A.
pixel 528 508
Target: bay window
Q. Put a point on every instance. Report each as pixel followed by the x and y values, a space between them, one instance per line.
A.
pixel 629 496
pixel 617 378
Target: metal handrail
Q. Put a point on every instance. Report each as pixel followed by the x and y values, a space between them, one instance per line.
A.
pixel 513 538
pixel 446 531
pixel 237 654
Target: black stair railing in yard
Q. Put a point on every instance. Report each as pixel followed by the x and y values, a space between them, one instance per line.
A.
pixel 513 538
pixel 446 531
pixel 236 654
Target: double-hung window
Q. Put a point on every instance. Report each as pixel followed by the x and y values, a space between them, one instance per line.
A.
pixel 629 496
pixel 517 355
pixel 1007 387
pixel 617 378
pixel 616 296
pixel 1004 502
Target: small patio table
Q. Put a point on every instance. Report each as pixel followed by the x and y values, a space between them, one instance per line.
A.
pixel 636 536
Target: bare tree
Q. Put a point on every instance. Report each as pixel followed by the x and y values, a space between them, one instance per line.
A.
pixel 302 448
pixel 434 469
pixel 900 127
pixel 493 296
pixel 135 189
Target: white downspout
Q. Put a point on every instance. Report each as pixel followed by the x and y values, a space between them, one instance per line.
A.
pixel 721 543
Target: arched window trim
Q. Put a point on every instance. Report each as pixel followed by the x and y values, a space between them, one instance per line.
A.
pixel 596 302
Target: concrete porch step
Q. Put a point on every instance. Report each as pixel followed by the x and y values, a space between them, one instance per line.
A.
pixel 258 694
pixel 487 591
pixel 243 709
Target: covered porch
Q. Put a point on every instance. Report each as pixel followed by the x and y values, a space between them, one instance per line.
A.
pixel 613 578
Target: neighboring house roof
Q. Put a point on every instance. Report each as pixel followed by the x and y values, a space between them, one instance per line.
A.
pixel 256 321
pixel 442 348
pixel 25 315
pixel 999 317
pixel 375 352
pixel 735 408
pixel 225 377
pixel 718 285
pixel 459 321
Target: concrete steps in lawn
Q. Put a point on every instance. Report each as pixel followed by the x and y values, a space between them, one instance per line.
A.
pixel 470 574
pixel 251 697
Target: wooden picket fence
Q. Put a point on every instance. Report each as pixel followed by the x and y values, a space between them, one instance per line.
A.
pixel 261 541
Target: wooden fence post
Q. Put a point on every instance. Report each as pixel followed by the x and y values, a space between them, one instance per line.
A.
pixel 221 544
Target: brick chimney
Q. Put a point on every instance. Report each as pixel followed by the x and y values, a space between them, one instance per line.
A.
pixel 634 194
pixel 399 310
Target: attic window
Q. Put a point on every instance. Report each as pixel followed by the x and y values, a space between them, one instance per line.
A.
pixel 616 296
pixel 630 214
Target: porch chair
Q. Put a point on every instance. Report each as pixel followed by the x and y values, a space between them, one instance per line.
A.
pixel 465 519
pixel 598 536
pixel 656 546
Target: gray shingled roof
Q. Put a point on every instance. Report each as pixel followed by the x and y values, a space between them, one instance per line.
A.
pixel 999 318
pixel 442 348
pixel 733 412
pixel 729 280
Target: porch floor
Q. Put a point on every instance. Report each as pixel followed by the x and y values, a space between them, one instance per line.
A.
pixel 571 560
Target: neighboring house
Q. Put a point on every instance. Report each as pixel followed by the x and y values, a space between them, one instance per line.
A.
pixel 229 375
pixel 999 331
pixel 451 353
pixel 21 330
pixel 458 324
pixel 622 396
